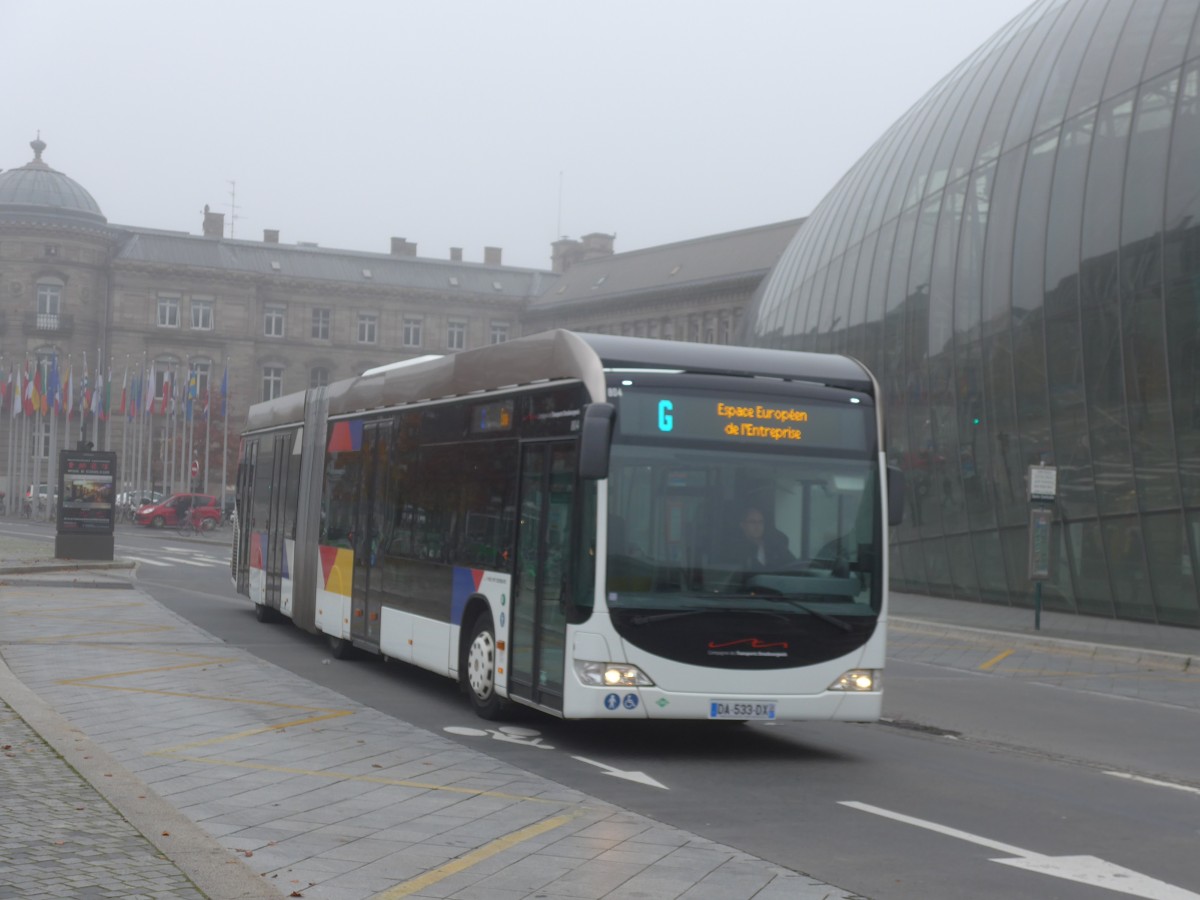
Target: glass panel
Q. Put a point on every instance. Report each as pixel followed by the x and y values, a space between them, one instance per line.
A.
pixel 1014 543
pixel 1171 570
pixel 1001 114
pixel 1029 354
pixel 1127 565
pixel 1171 37
pixel 1100 305
pixel 969 153
pixel 1142 301
pixel 1094 68
pixel 1182 288
pixel 1064 365
pixel 1037 77
pixel 937 567
pixel 1089 568
pixel 1066 63
pixel 1130 57
pixel 962 566
pixel 993 580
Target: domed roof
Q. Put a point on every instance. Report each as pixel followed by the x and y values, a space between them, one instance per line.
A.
pixel 37 188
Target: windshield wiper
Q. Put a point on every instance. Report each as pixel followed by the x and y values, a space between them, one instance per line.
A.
pixel 812 611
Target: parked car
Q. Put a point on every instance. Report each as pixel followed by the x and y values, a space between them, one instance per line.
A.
pixel 133 499
pixel 172 510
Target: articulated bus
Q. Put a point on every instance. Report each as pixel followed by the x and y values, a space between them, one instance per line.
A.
pixel 591 525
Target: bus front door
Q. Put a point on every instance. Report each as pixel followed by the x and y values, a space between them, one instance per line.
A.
pixel 369 536
pixel 537 638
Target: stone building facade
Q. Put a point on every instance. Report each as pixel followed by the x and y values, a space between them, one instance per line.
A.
pixel 140 307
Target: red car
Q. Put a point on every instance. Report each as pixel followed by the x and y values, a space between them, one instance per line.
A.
pixel 172 510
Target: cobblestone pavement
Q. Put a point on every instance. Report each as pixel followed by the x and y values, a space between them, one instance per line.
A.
pixel 60 838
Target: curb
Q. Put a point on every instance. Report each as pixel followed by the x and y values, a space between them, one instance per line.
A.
pixel 1159 659
pixel 213 868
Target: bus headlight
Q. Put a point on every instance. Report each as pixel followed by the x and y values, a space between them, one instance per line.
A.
pixel 858 680
pixel 608 674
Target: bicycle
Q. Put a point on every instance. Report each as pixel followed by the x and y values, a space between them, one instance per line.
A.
pixel 191 524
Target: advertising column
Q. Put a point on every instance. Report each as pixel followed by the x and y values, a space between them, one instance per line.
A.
pixel 87 482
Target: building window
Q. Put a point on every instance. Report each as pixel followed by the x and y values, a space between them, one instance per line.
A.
pixel 456 334
pixel 412 331
pixel 273 321
pixel 272 382
pixel 499 332
pixel 318 377
pixel 201 370
pixel 168 310
pixel 368 326
pixel 49 299
pixel 202 314
pixel 320 324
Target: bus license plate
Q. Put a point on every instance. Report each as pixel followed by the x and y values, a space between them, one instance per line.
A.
pixel 741 709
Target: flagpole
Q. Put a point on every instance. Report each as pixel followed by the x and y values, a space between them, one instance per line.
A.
pixel 208 434
pixel 225 435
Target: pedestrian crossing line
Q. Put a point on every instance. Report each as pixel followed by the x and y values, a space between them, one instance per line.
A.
pixel 148 562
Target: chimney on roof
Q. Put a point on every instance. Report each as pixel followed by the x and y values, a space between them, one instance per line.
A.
pixel 270 235
pixel 598 244
pixel 214 223
pixel 491 256
pixel 456 254
pixel 564 253
pixel 403 247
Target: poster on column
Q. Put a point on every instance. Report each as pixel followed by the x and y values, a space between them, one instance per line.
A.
pixel 87 484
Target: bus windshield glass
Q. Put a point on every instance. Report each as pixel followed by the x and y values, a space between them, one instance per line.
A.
pixel 703 524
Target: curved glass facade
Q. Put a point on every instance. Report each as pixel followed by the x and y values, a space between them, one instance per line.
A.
pixel 1018 261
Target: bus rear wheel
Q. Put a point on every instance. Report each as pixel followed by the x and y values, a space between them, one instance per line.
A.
pixel 340 648
pixel 481 669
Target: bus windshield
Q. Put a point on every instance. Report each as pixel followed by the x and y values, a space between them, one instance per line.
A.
pixel 710 528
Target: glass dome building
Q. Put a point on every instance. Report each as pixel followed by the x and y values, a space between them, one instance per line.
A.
pixel 1018 261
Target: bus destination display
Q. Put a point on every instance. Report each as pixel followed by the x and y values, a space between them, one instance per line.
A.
pixel 743 420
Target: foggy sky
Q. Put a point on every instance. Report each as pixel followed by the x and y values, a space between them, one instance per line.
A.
pixel 469 124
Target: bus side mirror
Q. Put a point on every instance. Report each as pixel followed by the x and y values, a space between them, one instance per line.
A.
pixel 595 439
pixel 895 488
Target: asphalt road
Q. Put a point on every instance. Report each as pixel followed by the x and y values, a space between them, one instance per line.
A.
pixel 980 786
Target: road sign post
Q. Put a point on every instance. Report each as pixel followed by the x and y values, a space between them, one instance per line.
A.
pixel 1043 486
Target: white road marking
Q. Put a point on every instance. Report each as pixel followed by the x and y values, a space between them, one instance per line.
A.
pixel 146 562
pixel 639 777
pixel 1154 781
pixel 1084 869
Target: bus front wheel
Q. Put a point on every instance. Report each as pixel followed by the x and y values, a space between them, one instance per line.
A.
pixel 481 669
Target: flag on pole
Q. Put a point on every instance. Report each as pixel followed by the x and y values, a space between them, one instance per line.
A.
pixel 18 397
pixel 190 395
pixel 54 387
pixel 124 392
pixel 35 391
pixel 6 388
pixel 149 388
pixel 98 395
pixel 166 392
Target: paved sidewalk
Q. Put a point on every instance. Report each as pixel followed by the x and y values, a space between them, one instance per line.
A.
pixel 145 758
pixel 248 781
